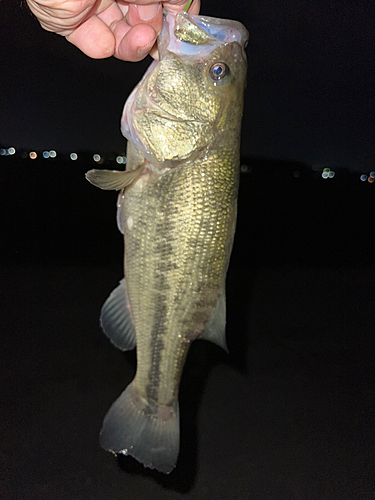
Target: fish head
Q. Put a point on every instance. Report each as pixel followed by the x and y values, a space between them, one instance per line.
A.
pixel 192 96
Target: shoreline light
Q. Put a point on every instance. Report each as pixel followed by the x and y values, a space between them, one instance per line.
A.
pixel 73 156
pixel 121 159
pixel 325 173
pixel 328 173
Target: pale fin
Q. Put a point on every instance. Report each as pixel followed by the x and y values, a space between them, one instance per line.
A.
pixel 120 211
pixel 149 434
pixel 116 320
pixel 215 328
pixel 113 179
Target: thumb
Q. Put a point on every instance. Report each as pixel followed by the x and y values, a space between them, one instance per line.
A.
pixel 94 38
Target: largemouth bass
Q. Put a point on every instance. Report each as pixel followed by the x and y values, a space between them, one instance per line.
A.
pixel 177 210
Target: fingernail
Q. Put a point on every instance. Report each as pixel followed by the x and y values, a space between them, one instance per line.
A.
pixel 142 51
pixel 148 12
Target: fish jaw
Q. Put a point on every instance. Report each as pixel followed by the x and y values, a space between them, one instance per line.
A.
pixel 169 125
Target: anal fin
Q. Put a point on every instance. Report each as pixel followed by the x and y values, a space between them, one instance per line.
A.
pixel 215 328
pixel 116 320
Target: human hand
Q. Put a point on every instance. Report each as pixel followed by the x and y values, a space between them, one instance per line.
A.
pixel 102 28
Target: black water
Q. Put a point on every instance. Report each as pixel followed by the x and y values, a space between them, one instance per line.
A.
pixel 289 414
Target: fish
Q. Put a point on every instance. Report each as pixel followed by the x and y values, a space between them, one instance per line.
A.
pixel 177 209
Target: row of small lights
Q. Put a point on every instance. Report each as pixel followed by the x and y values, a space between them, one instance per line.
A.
pixel 120 159
pixel 327 173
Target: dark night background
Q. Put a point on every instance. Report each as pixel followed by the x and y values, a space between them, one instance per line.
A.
pixel 289 413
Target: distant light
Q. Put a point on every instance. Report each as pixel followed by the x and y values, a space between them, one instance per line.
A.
pixel 11 151
pixel 371 180
pixel 45 154
pixel 3 152
pixel 97 158
pixel 372 175
pixel 296 173
pixel 245 168
pixel 33 155
pixel 363 177
pixel 328 173
pixel 73 156
pixel 121 159
pixel 52 153
pixel 24 155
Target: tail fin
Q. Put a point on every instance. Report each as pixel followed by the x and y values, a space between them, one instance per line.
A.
pixel 150 434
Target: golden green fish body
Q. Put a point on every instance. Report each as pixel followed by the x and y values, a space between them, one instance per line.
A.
pixel 177 210
pixel 178 231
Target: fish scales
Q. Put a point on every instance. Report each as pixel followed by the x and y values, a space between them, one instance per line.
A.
pixel 177 209
pixel 179 266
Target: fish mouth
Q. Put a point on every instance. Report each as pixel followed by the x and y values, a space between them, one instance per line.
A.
pixel 198 35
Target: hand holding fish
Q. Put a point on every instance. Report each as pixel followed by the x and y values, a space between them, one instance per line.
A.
pixel 103 28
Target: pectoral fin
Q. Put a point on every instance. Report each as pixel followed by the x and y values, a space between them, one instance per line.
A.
pixel 215 328
pixel 113 179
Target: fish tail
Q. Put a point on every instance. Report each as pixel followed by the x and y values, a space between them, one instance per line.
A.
pixel 149 433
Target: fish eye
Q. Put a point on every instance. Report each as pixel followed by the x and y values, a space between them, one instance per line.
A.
pixel 218 71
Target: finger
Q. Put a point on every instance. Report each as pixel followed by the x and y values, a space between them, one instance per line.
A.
pixel 151 14
pixel 94 38
pixel 111 15
pixel 174 6
pixel 134 44
pixel 195 7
